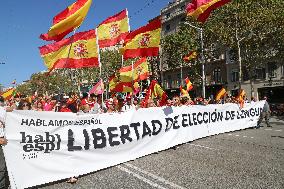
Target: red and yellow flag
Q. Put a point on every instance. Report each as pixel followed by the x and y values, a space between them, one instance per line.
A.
pixel 140 71
pixel 144 41
pixel 189 85
pixel 67 20
pixel 8 94
pixel 126 77
pixel 241 97
pixel 201 9
pixel 113 30
pixel 190 56
pixel 78 51
pixel 155 90
pixel 221 94
pixel 115 85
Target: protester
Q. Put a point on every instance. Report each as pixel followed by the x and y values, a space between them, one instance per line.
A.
pixel 4 179
pixel 264 114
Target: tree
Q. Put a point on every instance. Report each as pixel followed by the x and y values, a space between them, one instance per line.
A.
pixel 258 23
pixel 177 45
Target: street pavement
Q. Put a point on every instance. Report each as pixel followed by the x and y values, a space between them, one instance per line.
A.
pixel 251 158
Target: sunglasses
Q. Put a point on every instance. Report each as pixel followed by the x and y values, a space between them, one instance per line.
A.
pixel 25 105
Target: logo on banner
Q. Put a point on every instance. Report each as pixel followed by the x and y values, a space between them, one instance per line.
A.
pixel 145 40
pixel 80 49
pixel 114 30
pixel 32 145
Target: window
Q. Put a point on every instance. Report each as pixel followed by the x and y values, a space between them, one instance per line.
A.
pixel 168 27
pixel 282 70
pixel 169 81
pixel 178 80
pixel 272 70
pixel 168 15
pixel 260 73
pixel 232 57
pixel 217 75
pixel 235 76
pixel 165 84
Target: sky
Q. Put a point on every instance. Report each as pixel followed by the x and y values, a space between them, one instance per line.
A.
pixel 22 22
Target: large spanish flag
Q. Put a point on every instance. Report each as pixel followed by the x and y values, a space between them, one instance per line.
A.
pixel 201 9
pixel 113 30
pixel 78 51
pixel 67 20
pixel 8 94
pixel 144 41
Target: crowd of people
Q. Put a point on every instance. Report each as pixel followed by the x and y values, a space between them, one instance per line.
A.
pixel 97 104
pixel 91 103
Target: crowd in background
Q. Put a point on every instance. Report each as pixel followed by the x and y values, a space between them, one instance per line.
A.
pixel 91 103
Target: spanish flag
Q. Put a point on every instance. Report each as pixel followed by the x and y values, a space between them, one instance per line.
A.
pixel 183 92
pixel 155 90
pixel 144 41
pixel 201 9
pixel 67 20
pixel 117 86
pixel 78 51
pixel 8 94
pixel 113 30
pixel 126 76
pixel 221 94
pixel 139 72
pixel 189 85
pixel 192 55
pixel 241 97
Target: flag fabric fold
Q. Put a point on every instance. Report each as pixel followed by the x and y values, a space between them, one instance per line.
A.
pixel 144 41
pixel 78 51
pixel 140 71
pixel 67 20
pixel 221 93
pixel 189 85
pixel 155 91
pixel 241 97
pixel 98 88
pixel 201 9
pixel 190 56
pixel 125 79
pixel 113 30
pixel 8 93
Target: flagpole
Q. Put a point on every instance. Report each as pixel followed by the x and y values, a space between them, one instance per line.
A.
pixel 132 82
pixel 69 51
pixel 99 60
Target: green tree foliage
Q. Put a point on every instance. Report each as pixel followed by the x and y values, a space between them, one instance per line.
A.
pixel 43 84
pixel 258 25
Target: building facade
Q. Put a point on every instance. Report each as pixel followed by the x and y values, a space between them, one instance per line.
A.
pixel 222 70
pixel 215 70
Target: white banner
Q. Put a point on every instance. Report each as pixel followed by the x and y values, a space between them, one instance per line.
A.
pixel 49 146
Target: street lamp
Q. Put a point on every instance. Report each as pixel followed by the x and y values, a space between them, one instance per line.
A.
pixel 202 56
pixel 248 35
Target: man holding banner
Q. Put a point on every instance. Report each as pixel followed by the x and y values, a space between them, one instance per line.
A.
pixel 4 180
